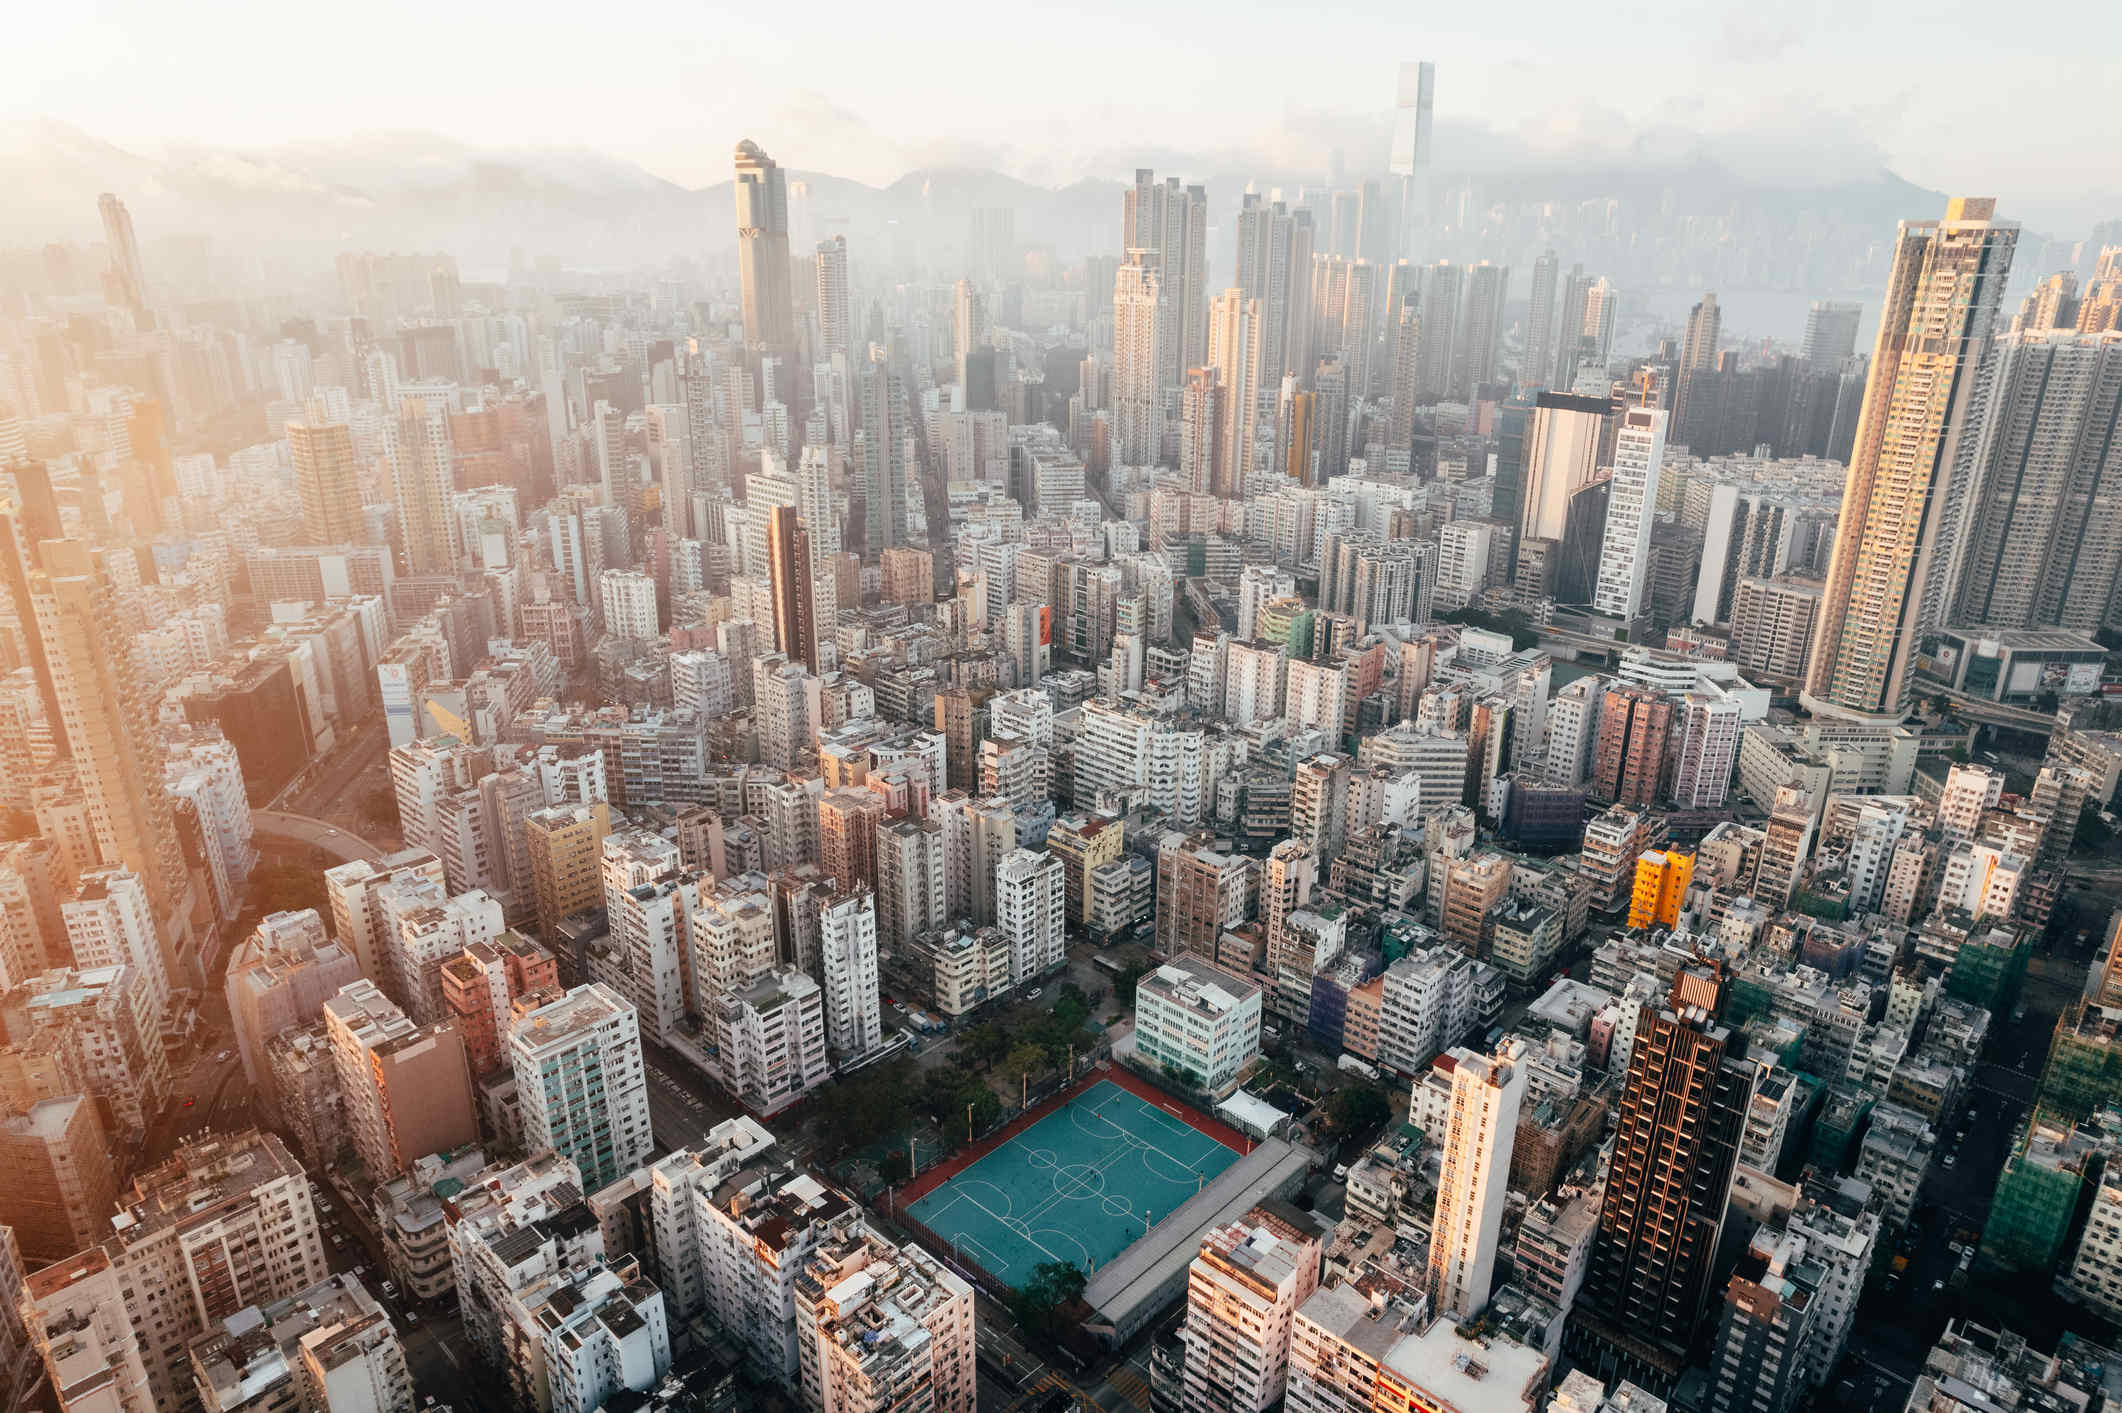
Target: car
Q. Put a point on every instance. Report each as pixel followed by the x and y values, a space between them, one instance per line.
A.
pixel 189 1101
pixel 412 1317
pixel 1955 1247
pixel 1937 1285
pixel 221 1058
pixel 336 1242
pixel 1340 1172
pixel 390 1290
pixel 1950 1160
pixel 360 1270
pixel 1035 993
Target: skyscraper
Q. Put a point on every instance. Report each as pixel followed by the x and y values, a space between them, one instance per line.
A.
pixel 1677 1137
pixel 883 458
pixel 1138 385
pixel 1698 356
pixel 762 254
pixel 1409 159
pixel 126 281
pixel 1172 222
pixel 1561 458
pixel 1474 1182
pixel 788 556
pixel 417 445
pixel 103 701
pixel 834 323
pixel 1237 334
pixel 1540 323
pixel 1632 503
pixel 1443 288
pixel 2045 544
pixel 1830 336
pixel 1474 360
pixel 1893 544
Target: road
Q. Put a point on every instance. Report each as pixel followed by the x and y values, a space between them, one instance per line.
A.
pixel 682 1104
pixel 273 830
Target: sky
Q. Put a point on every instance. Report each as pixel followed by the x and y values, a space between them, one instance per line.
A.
pixel 2015 102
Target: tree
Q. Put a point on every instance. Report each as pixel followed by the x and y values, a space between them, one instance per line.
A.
pixel 984 1044
pixel 1124 986
pixel 1025 1061
pixel 286 887
pixel 2092 831
pixel 379 809
pixel 895 1166
pixel 1358 1108
pixel 1053 1286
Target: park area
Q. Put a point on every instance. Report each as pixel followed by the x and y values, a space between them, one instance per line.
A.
pixel 1079 1185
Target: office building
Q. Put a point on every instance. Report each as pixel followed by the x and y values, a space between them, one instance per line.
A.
pixel 1904 506
pixel 1632 501
pixel 762 255
pixel 1563 455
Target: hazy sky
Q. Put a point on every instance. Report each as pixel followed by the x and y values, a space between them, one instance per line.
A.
pixel 2016 101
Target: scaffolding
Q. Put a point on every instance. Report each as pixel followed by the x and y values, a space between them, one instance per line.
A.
pixel 2036 1198
pixel 2084 1069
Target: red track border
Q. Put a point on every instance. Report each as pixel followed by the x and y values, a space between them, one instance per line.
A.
pixel 926 1182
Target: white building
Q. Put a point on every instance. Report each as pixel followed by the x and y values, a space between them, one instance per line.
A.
pixel 1200 1020
pixel 117 1320
pixel 109 923
pixel 847 964
pixel 1487 1092
pixel 881 1327
pixel 1464 548
pixel 1631 506
pixel 629 599
pixel 770 1040
pixel 577 1062
pixel 1242 1295
pixel 1031 905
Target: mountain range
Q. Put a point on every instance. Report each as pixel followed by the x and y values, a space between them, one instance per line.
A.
pixel 1678 222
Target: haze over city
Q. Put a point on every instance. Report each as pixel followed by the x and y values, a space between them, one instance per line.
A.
pixel 1141 709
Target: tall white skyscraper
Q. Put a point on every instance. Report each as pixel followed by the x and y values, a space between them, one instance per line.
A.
pixel 1632 503
pixel 1471 1190
pixel 1539 359
pixel 1138 386
pixel 1409 159
pixel 834 324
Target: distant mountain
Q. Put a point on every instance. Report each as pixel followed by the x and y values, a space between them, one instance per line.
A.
pixel 1652 218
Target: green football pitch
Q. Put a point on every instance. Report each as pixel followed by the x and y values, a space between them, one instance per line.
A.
pixel 1081 1185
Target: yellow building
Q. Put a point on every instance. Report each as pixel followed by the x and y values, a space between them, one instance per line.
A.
pixel 1662 877
pixel 566 857
pixel 1085 843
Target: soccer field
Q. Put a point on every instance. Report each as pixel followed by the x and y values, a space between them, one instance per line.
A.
pixel 1081 1185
